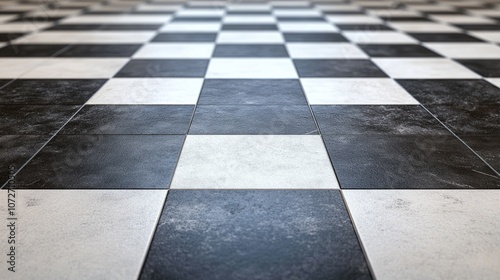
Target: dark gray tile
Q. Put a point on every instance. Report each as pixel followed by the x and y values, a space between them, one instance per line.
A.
pixel 314 37
pixel 377 119
pixel 103 162
pixel 196 19
pixel 249 234
pixel 185 37
pixel 188 68
pixel 34 119
pixel 444 37
pixel 484 67
pixel 300 19
pixel 262 50
pixel 346 68
pixel 116 27
pixel 101 50
pixel 45 91
pixel 7 37
pixel 256 27
pixel 479 27
pixel 363 27
pixel 487 147
pixel 407 162
pixel 252 91
pixel 469 119
pixel 252 119
pixel 393 50
pixel 31 50
pixel 117 119
pixel 454 91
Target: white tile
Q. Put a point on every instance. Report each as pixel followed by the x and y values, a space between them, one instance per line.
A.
pixel 423 27
pixel 254 162
pixel 235 6
pixel 200 13
pixel 307 27
pixel 394 13
pixel 354 91
pixel 250 37
pixel 495 81
pixel 429 234
pixel 338 7
pixel 466 50
pixel 430 8
pixel 254 68
pixel 15 67
pixel 23 7
pixel 5 18
pixel 87 37
pixel 461 19
pixel 23 27
pixel 325 50
pixel 116 19
pixel 175 50
pixel 157 8
pixel 191 27
pixel 379 37
pixel 76 68
pixel 353 19
pixel 88 234
pixel 296 13
pixel 383 4
pixel 245 19
pixel 292 3
pixel 423 68
pixel 488 12
pixel 492 36
pixel 149 91
pixel 54 12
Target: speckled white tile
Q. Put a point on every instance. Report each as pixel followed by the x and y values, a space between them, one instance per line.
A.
pixel 191 27
pixel 325 50
pixel 87 37
pixel 252 68
pixel 296 13
pixel 491 36
pixel 76 68
pixel 5 18
pixel 424 27
pixel 116 19
pixel 378 37
pixel 461 19
pixel 149 91
pixel 15 67
pixel 354 91
pixel 23 27
pixel 245 19
pixel 424 68
pixel 466 50
pixel 200 12
pixel 353 19
pixel 86 234
pixel 307 27
pixel 254 162
pixel 250 37
pixel 431 234
pixel 175 50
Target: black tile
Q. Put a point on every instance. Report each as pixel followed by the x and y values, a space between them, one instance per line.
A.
pixel 479 27
pixel 252 91
pixel 262 50
pixel 196 19
pixel 47 91
pixel 250 234
pixel 454 91
pixel 34 119
pixel 407 162
pixel 185 37
pixel 469 119
pixel 376 119
pixel 164 68
pixel 116 119
pixel 485 67
pixel 3 82
pixel 403 19
pixel 391 50
pixel 300 19
pixel 37 19
pixel 101 50
pixel 257 27
pixel 31 50
pixel 251 119
pixel 107 27
pixel 7 37
pixel 363 27
pixel 314 37
pixel 345 13
pixel 249 13
pixel 75 27
pixel 337 68
pixel 103 162
pixel 487 147
pixel 15 150
pixel 444 37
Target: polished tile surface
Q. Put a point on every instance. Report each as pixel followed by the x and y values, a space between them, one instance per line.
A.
pixel 335 139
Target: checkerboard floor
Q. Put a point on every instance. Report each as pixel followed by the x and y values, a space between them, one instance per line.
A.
pixel 328 139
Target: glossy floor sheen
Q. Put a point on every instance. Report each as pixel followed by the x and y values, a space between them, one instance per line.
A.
pixel 329 139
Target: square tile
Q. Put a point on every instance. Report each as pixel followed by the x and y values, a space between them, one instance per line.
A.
pixel 491 36
pixel 76 68
pixel 464 19
pixel 259 68
pixel 414 234
pixel 311 68
pixel 12 68
pixel 185 37
pixel 444 37
pixel 407 162
pixel 185 68
pixel 148 91
pixel 254 162
pixel 250 37
pixel 484 67
pixel 87 37
pixel 251 119
pixel 378 37
pixel 260 50
pixel 363 27
pixel 124 119
pixel 252 92
pixel 353 19
pixel 314 37
pixel 423 68
pixel 191 27
pixel 250 27
pixel 469 118
pixel 9 36
pixel 487 148
pixel 466 50
pixel 44 92
pixel 293 226
pixel 376 119
pixel 13 50
pixel 393 50
pixel 23 27
pixel 103 162
pixel 116 19
pixel 325 50
pixel 125 240
pixel 34 119
pixel 100 50
pixel 350 91
pixel 310 27
pixel 423 27
pixel 175 50
pixel 248 19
